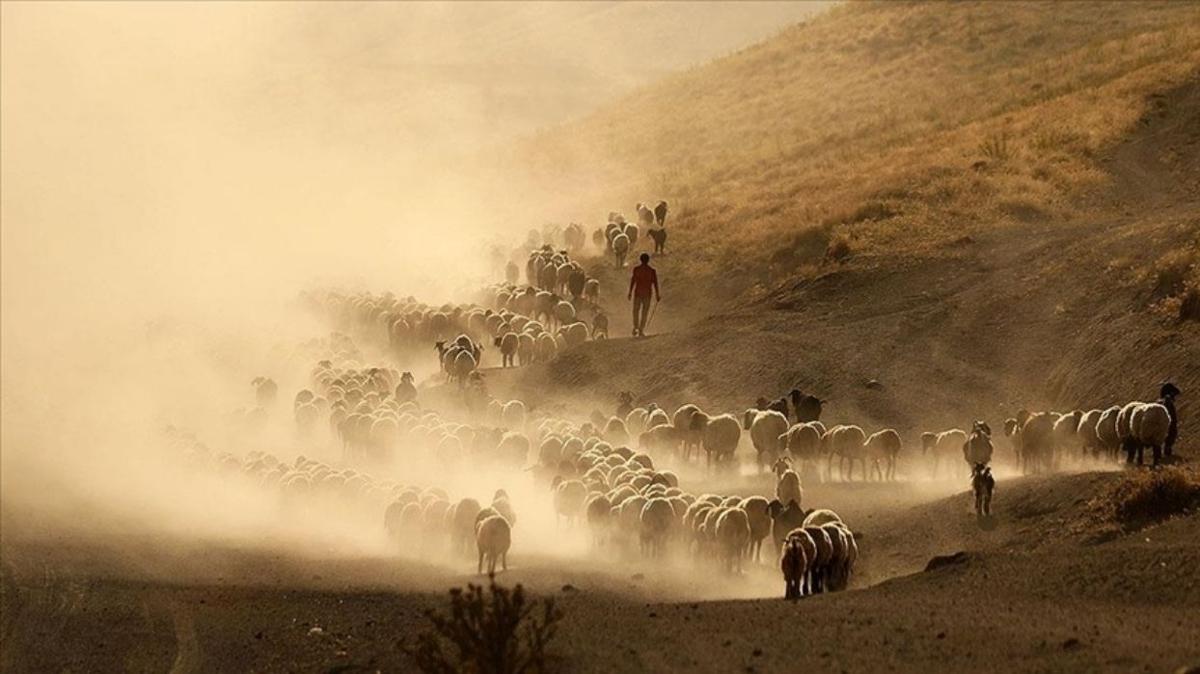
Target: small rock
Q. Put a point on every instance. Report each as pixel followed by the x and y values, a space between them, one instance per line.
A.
pixel 1070 644
pixel 315 631
pixel 874 384
pixel 568 588
pixel 727 642
pixel 258 635
pixel 756 652
pixel 653 614
pixel 941 635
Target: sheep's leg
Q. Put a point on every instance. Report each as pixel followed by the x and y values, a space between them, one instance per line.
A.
pixel 504 561
pixel 480 569
pixel 1157 449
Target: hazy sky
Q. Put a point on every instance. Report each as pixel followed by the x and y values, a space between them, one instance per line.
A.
pixel 160 156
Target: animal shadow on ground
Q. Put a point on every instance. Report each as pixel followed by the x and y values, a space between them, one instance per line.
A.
pixel 986 522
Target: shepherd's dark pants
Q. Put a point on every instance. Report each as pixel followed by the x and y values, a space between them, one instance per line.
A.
pixel 641 310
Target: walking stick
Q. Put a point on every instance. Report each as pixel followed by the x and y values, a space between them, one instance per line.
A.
pixel 651 316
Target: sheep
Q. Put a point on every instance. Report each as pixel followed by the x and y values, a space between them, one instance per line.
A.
pixel 884 446
pixel 983 484
pixel 793 562
pixel 599 516
pixel 803 442
pixel 1066 436
pixel 942 446
pixel 787 487
pixel 757 514
pixel 978 447
pixel 1150 425
pixel 720 436
pixel 659 236
pixel 657 518
pixel 620 247
pixel 1037 441
pixel 845 552
pixel 820 516
pixel 462 518
pixel 848 443
pixel 784 519
pixel 508 344
pixel 688 431
pixel 1085 431
pixel 512 414
pixel 806 407
pixel 818 565
pixel 766 427
pixel 1106 431
pixel 733 536
pixel 569 497
pixel 645 215
pixel 493 536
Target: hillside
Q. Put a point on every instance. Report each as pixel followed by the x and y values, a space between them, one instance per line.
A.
pixel 888 125
pixel 1013 206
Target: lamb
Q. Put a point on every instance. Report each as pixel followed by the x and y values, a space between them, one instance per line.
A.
pixel 793 562
pixel 493 536
pixel 766 428
pixel 508 344
pixel 884 446
pixel 733 536
pixel 942 445
pixel 983 484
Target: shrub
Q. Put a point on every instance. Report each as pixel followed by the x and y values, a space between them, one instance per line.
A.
pixel 1145 497
pixel 1189 303
pixel 493 633
pixel 1171 271
pixel 839 248
pixel 995 147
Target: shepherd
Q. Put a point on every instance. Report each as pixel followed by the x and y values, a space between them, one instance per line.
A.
pixel 641 284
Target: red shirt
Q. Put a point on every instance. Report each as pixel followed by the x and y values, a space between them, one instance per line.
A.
pixel 643 280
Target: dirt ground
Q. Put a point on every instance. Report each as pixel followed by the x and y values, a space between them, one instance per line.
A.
pixel 1041 588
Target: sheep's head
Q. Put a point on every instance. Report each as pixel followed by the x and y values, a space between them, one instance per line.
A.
pixel 1168 390
pixel 781 466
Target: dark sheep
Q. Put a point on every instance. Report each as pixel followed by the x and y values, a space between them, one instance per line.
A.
pixel 659 236
pixel 807 408
pixel 660 213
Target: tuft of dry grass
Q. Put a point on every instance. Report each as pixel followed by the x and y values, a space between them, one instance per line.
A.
pixel 1145 497
pixel 497 632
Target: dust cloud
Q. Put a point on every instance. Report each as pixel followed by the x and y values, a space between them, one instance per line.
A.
pixel 175 174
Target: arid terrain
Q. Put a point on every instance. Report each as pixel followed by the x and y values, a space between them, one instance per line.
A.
pixel 923 214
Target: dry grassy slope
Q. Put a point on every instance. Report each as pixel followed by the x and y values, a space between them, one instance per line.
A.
pixel 869 119
pixel 1048 313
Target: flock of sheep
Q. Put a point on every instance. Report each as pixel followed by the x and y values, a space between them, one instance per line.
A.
pixel 616 476
pixel 619 236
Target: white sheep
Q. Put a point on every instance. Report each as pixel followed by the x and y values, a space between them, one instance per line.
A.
pixel 1066 436
pixel 620 248
pixel 1149 425
pixel 788 488
pixel 848 443
pixel 512 416
pixel 720 436
pixel 493 536
pixel 766 428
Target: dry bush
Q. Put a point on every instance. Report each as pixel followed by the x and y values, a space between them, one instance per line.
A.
pixel 839 248
pixel 1147 496
pixel 995 147
pixel 1189 302
pixel 1171 271
pixel 499 632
